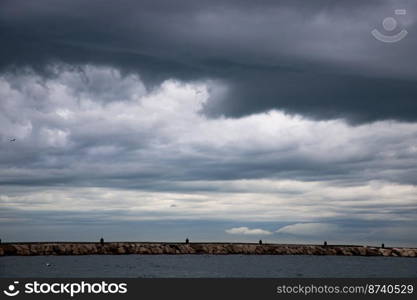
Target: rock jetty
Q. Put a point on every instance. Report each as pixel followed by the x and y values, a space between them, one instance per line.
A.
pixel 67 248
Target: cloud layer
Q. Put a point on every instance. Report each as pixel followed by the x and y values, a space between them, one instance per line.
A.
pixel 317 59
pixel 131 136
pixel 133 154
pixel 309 229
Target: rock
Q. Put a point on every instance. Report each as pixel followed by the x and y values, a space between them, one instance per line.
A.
pixel 200 248
pixel 362 251
pixel 121 250
pixel 22 250
pixel 331 251
pixel 157 250
pixel 371 251
pixel 9 249
pixel 194 248
pixel 385 252
pixel 347 252
pixel 407 252
pixel 396 252
pixel 143 250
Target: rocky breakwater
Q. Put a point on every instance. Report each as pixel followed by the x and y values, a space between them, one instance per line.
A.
pixel 27 249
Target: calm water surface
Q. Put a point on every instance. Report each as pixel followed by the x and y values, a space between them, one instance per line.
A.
pixel 206 266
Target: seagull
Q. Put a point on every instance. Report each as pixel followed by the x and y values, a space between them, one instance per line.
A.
pixel 12 140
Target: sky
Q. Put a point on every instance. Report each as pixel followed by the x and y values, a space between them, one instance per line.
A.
pixel 284 120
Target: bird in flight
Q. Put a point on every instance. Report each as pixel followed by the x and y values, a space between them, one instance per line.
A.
pixel 12 140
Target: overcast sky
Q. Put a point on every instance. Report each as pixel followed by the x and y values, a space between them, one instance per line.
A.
pixel 280 120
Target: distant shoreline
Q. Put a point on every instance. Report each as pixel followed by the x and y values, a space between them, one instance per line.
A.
pixel 154 248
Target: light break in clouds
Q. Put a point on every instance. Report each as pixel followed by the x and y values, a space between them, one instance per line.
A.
pixel 247 231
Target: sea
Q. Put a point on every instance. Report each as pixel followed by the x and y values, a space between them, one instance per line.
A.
pixel 207 266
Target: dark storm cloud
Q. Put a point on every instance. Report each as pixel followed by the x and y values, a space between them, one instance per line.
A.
pixel 316 58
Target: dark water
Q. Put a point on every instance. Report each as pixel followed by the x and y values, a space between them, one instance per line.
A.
pixel 206 266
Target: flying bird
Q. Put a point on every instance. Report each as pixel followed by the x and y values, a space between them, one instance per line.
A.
pixel 12 140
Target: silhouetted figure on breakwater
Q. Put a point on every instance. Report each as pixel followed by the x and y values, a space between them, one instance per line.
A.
pixel 260 242
pixel 102 241
pixel 383 245
pixel 325 244
pixel 187 241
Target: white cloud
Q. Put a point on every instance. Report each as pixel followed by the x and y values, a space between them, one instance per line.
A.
pixel 247 231
pixel 309 229
pixel 78 114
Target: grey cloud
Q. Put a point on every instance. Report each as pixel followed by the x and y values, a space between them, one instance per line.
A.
pixel 66 134
pixel 317 59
